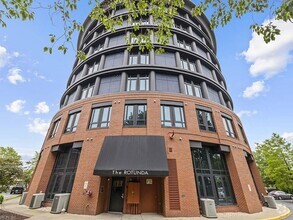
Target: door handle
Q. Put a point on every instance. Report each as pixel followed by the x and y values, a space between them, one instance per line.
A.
pixel 122 195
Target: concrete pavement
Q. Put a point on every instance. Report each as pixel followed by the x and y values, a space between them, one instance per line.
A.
pixel 44 214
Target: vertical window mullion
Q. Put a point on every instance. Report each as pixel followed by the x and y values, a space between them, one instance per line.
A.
pixel 135 109
pixel 100 117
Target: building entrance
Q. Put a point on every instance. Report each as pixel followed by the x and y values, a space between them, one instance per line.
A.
pixel 117 194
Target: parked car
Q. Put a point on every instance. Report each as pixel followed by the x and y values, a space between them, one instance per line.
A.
pixel 280 195
pixel 17 190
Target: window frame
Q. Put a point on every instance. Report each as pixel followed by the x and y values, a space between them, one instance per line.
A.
pixel 172 116
pixel 55 127
pixel 62 172
pixel 191 65
pixel 183 44
pixel 139 55
pixel 101 112
pixel 205 125
pixel 137 79
pixel 194 87
pixel 71 125
pixel 229 126
pixel 135 110
pixel 89 89
pixel 207 170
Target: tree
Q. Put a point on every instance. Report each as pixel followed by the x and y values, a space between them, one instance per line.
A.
pixel 162 11
pixel 10 167
pixel 29 169
pixel 274 158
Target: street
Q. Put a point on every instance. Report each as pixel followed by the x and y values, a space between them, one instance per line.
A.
pixel 289 204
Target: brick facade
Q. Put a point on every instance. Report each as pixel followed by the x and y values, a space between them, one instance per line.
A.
pixel 189 66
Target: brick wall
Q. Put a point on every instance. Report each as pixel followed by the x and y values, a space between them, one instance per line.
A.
pixel 177 148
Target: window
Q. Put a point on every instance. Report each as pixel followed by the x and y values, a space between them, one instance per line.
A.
pixel 167 83
pixel 76 77
pixel 196 35
pixel 87 91
pixel 110 84
pixel 214 95
pixel 205 120
pixel 100 117
pixel 184 44
pixel 71 97
pixel 98 48
pixel 229 127
pixel 172 116
pixel 72 122
pixel 135 115
pixel 93 68
pixel 207 72
pixel 188 65
pixel 117 40
pixel 212 176
pixel 142 21
pixel 63 173
pixel 120 10
pixel 202 53
pixel 54 129
pixel 166 59
pixel 181 27
pixel 138 58
pixel 192 88
pixel 114 60
pixel 137 82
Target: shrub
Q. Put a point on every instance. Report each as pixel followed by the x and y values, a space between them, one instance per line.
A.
pixel 1 199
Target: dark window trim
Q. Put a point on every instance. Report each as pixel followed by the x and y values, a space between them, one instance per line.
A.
pixel 104 104
pixel 74 110
pixel 134 101
pixel 172 103
pixel 63 172
pixel 210 172
pixel 71 127
pixel 139 55
pixel 55 127
pixel 100 117
pixel 205 126
pixel 137 78
pixel 135 119
pixel 172 116
pixel 229 132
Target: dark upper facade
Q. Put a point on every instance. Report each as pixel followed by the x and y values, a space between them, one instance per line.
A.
pixel 189 64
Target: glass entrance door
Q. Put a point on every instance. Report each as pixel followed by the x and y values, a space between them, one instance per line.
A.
pixel 117 194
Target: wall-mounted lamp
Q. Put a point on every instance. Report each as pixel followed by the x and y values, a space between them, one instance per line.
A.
pixel 171 134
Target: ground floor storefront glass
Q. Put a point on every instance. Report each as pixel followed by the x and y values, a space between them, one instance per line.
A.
pixel 212 176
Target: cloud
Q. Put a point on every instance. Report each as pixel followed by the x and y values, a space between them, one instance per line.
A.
pixel 254 90
pixel 14 76
pixel 38 126
pixel 4 56
pixel 16 54
pixel 246 113
pixel 42 108
pixel 288 136
pixel 272 58
pixel 40 76
pixel 16 106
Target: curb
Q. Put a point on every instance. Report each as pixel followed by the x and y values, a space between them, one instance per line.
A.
pixel 14 197
pixel 280 217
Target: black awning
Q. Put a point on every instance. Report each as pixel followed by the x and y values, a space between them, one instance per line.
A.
pixel 132 156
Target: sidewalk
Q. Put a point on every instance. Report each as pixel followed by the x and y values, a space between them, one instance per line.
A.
pixel 44 214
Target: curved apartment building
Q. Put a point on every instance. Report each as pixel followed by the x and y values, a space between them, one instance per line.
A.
pixel 141 132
